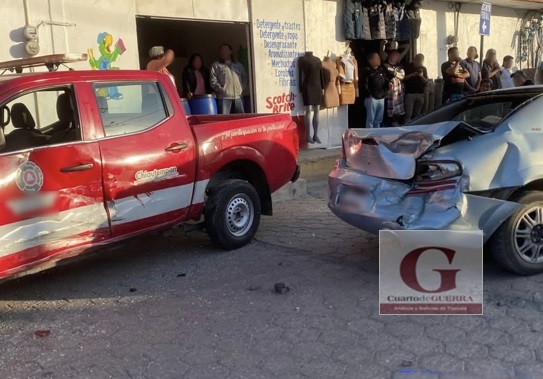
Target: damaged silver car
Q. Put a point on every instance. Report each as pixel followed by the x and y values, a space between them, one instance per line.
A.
pixel 475 164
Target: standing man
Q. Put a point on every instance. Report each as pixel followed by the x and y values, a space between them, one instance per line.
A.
pixel 474 81
pixel 396 95
pixel 376 85
pixel 520 79
pixel 416 79
pixel 455 72
pixel 491 69
pixel 228 79
pixel 507 71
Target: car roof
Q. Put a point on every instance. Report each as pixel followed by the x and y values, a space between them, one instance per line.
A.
pixel 533 89
pixel 83 75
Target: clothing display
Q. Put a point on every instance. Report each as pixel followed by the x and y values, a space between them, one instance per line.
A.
pixel 331 91
pixel 348 94
pixel 347 67
pixel 312 118
pixel 311 79
pixel 413 14
pixel 382 19
pixel 353 19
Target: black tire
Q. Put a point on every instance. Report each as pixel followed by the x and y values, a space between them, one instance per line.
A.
pixel 504 246
pixel 228 202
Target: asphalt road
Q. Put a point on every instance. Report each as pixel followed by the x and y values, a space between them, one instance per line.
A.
pixel 175 307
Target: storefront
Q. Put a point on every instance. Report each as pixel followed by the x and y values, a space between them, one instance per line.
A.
pixel 267 37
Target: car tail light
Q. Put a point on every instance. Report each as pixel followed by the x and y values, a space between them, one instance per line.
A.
pixel 429 171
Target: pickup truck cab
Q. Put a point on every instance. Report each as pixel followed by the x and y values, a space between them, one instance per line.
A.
pixel 88 158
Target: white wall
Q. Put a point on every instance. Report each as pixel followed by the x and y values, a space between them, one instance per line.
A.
pixel 116 17
pixel 227 10
pixel 438 23
pixel 324 33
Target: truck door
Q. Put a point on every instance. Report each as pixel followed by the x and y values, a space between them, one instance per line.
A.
pixel 148 155
pixel 50 179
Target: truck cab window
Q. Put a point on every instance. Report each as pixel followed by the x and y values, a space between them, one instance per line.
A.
pixel 127 108
pixel 40 118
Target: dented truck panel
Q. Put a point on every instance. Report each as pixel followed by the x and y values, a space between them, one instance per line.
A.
pixel 379 183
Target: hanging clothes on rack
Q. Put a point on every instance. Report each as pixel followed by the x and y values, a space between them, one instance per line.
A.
pixel 353 19
pixel 390 20
pixel 413 14
pixel 377 20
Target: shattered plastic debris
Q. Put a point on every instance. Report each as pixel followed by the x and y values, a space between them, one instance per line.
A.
pixel 42 333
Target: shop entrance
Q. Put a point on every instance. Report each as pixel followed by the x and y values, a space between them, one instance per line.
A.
pixel 361 49
pixel 187 37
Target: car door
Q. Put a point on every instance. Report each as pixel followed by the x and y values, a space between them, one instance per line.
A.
pixel 148 155
pixel 51 189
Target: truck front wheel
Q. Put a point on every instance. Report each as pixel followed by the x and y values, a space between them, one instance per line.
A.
pixel 232 213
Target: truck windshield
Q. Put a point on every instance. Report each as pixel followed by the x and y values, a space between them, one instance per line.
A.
pixel 482 112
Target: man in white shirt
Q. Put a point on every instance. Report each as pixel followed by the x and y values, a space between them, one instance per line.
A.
pixel 506 71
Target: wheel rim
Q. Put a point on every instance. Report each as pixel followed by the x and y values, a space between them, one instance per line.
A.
pixel 528 235
pixel 239 215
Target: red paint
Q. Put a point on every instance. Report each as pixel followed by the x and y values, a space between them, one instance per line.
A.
pixel 212 142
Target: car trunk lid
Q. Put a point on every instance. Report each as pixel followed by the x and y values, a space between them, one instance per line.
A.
pixel 392 152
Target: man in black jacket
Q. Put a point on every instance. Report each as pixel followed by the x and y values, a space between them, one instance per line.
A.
pixel 377 85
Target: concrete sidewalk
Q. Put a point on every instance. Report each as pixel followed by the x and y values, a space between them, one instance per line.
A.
pixel 315 166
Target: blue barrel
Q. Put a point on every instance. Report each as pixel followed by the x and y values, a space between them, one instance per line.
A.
pixel 186 106
pixel 205 104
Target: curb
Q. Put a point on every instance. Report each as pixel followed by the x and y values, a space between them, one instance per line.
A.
pixel 290 191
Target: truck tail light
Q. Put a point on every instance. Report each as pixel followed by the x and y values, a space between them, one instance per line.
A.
pixel 295 138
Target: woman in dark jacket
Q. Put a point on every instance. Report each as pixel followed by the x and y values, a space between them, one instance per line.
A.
pixel 196 78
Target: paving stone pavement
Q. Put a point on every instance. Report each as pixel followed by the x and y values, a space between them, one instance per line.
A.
pixel 175 307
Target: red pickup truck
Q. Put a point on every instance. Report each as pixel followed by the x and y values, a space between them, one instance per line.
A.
pixel 88 158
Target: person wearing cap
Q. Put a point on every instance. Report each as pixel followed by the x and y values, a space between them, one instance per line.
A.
pixel 491 69
pixel 507 72
pixel 160 60
pixel 474 81
pixel 520 79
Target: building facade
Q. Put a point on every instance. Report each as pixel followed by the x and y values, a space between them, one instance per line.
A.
pixel 268 37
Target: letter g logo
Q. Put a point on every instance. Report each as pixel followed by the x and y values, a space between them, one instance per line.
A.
pixel 408 270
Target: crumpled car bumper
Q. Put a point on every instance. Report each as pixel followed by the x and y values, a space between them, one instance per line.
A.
pixel 373 204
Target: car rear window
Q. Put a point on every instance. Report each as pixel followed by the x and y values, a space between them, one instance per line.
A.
pixel 484 112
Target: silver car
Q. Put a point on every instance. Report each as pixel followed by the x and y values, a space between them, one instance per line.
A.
pixel 474 164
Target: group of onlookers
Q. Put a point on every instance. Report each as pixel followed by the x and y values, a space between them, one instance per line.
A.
pixel 226 80
pixel 467 76
pixel 395 95
pixel 391 88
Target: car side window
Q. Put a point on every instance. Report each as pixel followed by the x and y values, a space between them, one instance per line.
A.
pixel 39 118
pixel 131 107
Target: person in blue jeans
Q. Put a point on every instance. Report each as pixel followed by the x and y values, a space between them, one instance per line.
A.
pixel 376 85
pixel 228 80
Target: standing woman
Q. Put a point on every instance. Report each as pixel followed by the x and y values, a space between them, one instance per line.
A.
pixel 160 60
pixel 196 78
pixel 492 69
pixel 473 83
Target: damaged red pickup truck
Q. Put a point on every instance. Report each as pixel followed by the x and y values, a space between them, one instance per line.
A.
pixel 89 158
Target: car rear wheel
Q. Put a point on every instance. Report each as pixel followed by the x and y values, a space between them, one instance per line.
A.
pixel 232 213
pixel 517 245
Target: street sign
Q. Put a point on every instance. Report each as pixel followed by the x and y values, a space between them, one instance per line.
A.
pixel 484 20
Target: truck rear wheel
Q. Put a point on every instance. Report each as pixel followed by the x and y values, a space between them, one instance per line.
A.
pixel 517 245
pixel 232 213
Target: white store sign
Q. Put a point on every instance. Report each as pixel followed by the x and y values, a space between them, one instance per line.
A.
pixel 278 41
